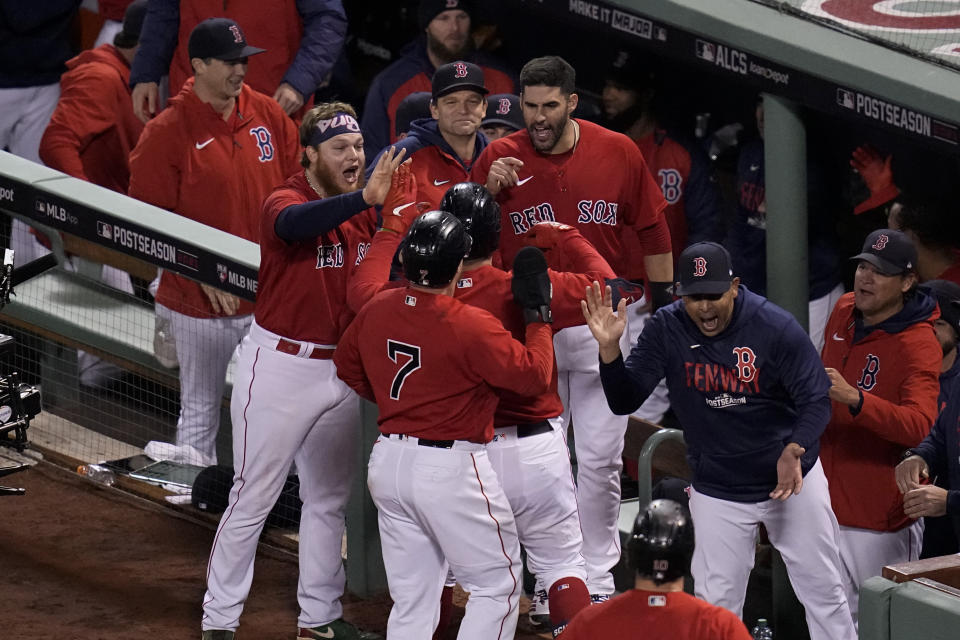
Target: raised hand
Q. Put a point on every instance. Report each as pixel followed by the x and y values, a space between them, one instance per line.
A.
pixel 380 179
pixel 606 325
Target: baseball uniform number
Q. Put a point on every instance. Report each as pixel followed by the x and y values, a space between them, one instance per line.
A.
pixel 410 350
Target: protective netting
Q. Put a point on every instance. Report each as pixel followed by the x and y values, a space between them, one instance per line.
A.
pixel 929 29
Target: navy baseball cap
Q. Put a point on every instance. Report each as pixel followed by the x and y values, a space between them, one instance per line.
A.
pixel 456 76
pixel 430 9
pixel 948 297
pixel 413 107
pixel 129 34
pixel 219 38
pixel 705 268
pixel 890 251
pixel 504 108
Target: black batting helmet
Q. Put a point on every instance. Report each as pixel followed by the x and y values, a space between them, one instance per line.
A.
pixel 479 213
pixel 662 542
pixel 433 248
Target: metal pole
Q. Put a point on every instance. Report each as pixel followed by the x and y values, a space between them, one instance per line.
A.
pixel 785 162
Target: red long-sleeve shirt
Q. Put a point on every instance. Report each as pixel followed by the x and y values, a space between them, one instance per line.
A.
pixel 897 369
pixel 93 129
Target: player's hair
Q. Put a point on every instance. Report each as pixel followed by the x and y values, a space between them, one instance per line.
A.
pixel 929 219
pixel 322 111
pixel 550 71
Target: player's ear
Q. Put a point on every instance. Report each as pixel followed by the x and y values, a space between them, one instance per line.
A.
pixel 572 102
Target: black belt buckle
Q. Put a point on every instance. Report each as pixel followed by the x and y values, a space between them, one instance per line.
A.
pixel 438 444
pixel 533 429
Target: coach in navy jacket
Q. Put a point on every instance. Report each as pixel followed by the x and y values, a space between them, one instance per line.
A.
pixel 751 394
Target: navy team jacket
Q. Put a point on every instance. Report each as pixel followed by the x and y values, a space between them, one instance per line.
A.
pixel 741 396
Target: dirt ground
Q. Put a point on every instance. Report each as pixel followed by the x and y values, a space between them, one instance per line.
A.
pixel 83 562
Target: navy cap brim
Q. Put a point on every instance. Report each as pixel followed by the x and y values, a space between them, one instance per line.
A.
pixel 460 87
pixel 703 287
pixel 885 267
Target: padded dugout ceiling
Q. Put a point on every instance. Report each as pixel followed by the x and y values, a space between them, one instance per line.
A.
pixel 825 68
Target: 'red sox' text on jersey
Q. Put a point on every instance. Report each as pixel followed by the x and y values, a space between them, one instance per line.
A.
pixel 602 187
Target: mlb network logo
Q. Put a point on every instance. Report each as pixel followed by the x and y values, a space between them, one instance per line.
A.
pixel 104 230
pixel 845 99
pixel 706 50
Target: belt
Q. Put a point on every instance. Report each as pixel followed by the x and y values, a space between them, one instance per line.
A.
pixel 423 442
pixel 293 348
pixel 533 429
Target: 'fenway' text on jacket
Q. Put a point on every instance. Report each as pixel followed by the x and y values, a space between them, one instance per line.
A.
pixel 896 366
pixel 741 395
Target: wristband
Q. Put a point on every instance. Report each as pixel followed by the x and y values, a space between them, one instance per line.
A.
pixel 661 294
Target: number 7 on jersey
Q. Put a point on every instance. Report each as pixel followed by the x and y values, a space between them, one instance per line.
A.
pixel 397 350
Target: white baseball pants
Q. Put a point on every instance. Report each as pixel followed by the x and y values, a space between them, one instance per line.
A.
pixel 803 529
pixel 438 506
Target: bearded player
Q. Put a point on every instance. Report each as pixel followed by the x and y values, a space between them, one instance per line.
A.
pixel 567 170
pixel 288 404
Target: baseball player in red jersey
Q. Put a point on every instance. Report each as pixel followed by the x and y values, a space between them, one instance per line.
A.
pixel 528 451
pixel 433 364
pixel 883 359
pixel 578 173
pixel 443 148
pixel 288 404
pixel 659 550
pixel 213 155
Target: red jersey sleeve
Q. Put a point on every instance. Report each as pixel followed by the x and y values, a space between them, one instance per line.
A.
pixel 291 147
pixel 373 273
pixel 647 205
pixel 724 625
pixel 586 265
pixel 154 170
pixel 349 365
pixel 82 113
pixel 505 363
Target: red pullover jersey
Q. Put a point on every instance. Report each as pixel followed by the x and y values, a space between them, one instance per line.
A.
pixel 898 374
pixel 489 288
pixel 192 162
pixel 433 364
pixel 602 187
pixel 93 129
pixel 302 285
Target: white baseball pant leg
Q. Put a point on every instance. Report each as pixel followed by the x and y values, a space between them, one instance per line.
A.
pixel 819 311
pixel 598 439
pixel 537 479
pixel 803 529
pixel 109 29
pixel 438 506
pixel 24 115
pixel 204 348
pixel 865 552
pixel 285 408
pixel 657 403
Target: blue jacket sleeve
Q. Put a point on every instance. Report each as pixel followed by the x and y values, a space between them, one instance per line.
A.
pixel 627 384
pixel 158 40
pixel 375 123
pixel 933 448
pixel 806 382
pixel 310 219
pixel 701 201
pixel 324 30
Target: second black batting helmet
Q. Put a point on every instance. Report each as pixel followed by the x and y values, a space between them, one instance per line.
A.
pixel 662 541
pixel 433 248
pixel 479 213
